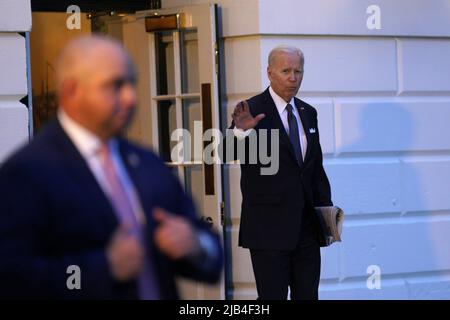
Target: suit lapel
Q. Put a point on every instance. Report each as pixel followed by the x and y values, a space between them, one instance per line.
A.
pixel 133 165
pixel 132 162
pixel 80 172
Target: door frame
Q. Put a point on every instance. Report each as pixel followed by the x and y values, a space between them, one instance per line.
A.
pixel 211 43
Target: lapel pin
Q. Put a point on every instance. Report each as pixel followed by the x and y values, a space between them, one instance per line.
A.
pixel 133 159
pixel 312 130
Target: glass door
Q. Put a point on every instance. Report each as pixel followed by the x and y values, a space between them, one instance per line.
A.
pixel 181 92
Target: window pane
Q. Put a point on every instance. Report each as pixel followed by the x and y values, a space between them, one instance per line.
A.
pixel 189 61
pixel 194 185
pixel 167 122
pixel 165 63
pixel 192 115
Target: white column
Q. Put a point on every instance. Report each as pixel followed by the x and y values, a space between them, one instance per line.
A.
pixel 15 17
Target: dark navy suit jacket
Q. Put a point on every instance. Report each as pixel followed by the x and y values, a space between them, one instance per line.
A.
pixel 273 206
pixel 54 214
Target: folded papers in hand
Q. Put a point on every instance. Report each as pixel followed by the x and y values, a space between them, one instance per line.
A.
pixel 331 219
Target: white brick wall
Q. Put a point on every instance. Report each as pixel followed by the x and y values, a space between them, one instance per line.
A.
pixel 325 116
pixel 13 78
pixel 425 182
pixel 13 127
pixel 424 65
pixel 349 17
pixel 383 105
pixel 407 125
pixel 243 65
pixel 15 16
pixel 390 170
pixel 362 186
pixel 351 64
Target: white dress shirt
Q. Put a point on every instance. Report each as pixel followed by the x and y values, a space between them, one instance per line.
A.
pixel 88 144
pixel 281 107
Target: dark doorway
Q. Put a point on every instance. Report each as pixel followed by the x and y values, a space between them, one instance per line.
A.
pixel 50 33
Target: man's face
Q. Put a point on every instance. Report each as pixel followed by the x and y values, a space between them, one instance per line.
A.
pixel 286 74
pixel 107 98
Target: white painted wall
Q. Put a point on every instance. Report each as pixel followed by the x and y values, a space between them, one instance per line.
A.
pixel 348 17
pixel 15 16
pixel 383 98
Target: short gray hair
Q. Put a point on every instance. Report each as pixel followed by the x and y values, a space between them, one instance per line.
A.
pixel 285 49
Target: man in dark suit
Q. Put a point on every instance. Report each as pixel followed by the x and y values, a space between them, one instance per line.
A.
pixel 81 198
pixel 278 223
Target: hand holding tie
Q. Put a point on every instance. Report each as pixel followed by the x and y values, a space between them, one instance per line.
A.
pixel 175 236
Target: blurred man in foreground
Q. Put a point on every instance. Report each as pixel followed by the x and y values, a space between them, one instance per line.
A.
pixel 80 197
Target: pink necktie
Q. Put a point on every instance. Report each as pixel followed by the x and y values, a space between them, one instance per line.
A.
pixel 118 195
pixel 123 208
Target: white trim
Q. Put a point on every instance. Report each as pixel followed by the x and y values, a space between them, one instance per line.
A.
pixel 153 91
pixel 178 101
pixel 29 86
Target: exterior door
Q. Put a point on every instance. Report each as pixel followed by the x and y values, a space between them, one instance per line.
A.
pixel 178 89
